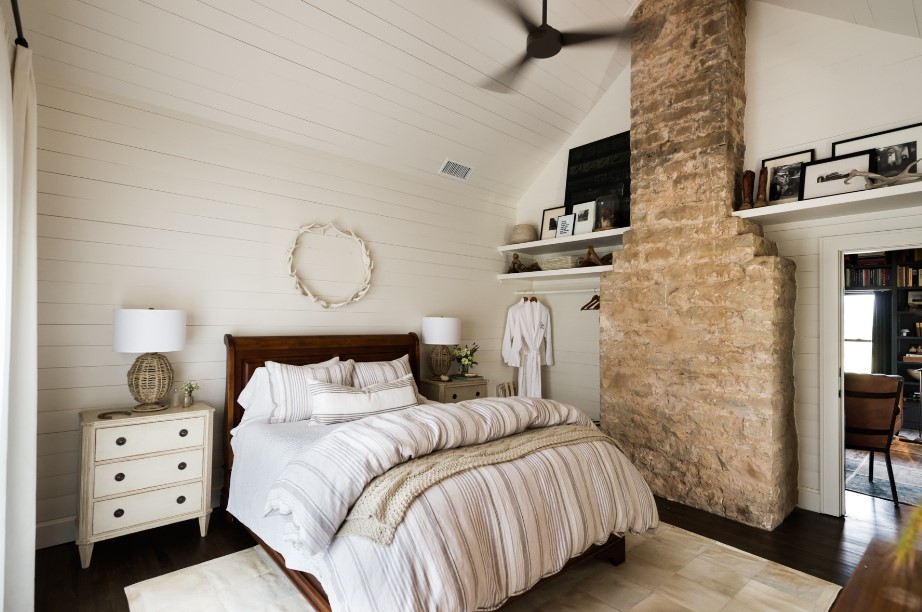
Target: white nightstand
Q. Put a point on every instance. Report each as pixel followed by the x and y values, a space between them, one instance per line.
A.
pixel 142 470
pixel 454 390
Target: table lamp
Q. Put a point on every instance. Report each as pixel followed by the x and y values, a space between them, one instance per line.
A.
pixel 441 331
pixel 150 332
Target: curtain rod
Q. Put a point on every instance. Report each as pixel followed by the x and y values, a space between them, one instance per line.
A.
pixel 20 39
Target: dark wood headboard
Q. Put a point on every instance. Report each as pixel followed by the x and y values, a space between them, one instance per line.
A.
pixel 246 353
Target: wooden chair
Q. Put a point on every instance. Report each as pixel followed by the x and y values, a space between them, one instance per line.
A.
pixel 873 414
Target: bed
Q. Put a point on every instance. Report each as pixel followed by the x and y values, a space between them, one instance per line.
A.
pixel 247 483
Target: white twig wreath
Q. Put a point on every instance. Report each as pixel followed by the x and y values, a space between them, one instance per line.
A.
pixel 330 230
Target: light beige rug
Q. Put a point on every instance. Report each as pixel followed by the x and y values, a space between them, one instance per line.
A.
pixel 673 570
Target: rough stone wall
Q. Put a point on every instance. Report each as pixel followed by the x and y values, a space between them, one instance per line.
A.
pixel 697 318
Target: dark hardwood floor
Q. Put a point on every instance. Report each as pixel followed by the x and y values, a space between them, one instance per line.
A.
pixel 824 546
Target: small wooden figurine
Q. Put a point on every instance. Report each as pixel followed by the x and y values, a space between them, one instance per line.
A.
pixel 749 178
pixel 518 266
pixel 762 198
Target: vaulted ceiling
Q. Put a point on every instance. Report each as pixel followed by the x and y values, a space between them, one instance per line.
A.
pixel 393 82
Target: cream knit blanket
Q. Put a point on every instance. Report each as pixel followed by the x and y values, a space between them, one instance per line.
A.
pixel 384 502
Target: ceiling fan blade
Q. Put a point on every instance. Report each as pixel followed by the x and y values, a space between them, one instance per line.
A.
pixel 503 81
pixel 587 36
pixel 517 12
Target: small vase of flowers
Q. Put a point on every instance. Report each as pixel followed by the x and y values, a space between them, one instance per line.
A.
pixel 188 388
pixel 465 358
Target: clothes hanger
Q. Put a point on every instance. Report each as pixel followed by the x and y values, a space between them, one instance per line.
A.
pixel 592 304
pixel 534 299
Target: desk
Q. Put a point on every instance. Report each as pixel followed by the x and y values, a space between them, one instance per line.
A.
pixel 879 585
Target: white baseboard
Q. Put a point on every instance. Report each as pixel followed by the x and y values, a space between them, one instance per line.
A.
pixel 808 499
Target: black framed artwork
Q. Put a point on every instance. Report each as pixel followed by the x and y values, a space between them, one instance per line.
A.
pixel 894 149
pixel 827 176
pixel 785 175
pixel 549 221
pixel 601 169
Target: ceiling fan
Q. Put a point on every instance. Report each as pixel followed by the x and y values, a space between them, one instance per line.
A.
pixel 544 41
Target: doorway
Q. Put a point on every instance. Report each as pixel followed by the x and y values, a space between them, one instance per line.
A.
pixel 833 251
pixel 880 337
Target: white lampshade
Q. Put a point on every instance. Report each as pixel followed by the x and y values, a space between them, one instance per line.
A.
pixel 137 330
pixel 441 330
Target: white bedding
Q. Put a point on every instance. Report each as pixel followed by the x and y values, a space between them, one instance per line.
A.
pixel 468 542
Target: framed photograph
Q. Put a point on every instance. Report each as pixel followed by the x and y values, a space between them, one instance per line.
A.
pixel 784 176
pixel 606 213
pixel 585 218
pixel 914 298
pixel 549 221
pixel 565 225
pixel 827 176
pixel 894 149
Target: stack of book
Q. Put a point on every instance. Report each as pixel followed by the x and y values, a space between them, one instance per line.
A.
pixel 907 276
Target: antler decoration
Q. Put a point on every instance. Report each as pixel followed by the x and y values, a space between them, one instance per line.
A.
pixel 873 181
pixel 321 230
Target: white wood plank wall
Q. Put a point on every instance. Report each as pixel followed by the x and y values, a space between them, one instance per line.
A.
pixel 812 81
pixel 143 207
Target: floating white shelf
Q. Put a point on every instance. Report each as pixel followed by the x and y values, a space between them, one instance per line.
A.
pixel 568 274
pixel 856 202
pixel 603 239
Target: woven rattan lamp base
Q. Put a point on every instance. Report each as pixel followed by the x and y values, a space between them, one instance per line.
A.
pixel 440 360
pixel 149 379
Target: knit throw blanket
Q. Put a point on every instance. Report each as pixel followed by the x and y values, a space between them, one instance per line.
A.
pixel 384 502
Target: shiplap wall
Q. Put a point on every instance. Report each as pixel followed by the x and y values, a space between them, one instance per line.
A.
pixel 575 376
pixel 143 207
pixel 812 81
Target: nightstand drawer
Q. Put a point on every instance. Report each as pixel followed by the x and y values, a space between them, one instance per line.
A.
pixel 459 394
pixel 125 476
pixel 123 512
pixel 130 440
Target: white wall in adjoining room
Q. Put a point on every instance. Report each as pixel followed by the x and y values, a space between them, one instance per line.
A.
pixel 812 81
pixel 575 376
pixel 140 206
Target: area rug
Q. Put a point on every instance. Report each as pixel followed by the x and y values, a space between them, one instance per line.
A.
pixel 673 570
pixel 906 458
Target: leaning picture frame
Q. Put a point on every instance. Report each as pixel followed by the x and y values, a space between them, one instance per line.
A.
pixel 585 217
pixel 785 173
pixel 565 225
pixel 549 221
pixel 895 149
pixel 827 176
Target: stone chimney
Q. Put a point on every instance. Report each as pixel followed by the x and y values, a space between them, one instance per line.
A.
pixel 697 321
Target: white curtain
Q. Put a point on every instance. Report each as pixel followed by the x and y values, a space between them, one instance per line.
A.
pixel 18 336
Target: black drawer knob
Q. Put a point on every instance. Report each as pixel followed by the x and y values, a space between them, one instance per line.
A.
pixel 181 499
pixel 119 477
pixel 454 396
pixel 119 513
pixel 182 465
pixel 183 433
pixel 121 441
pixel 478 394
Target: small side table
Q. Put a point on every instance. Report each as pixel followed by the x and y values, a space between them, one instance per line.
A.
pixel 142 469
pixel 453 391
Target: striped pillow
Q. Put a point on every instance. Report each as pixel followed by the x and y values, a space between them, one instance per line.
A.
pixel 374 372
pixel 290 387
pixel 338 404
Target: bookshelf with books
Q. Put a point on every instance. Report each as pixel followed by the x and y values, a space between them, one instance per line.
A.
pixel 907 322
pixel 868 271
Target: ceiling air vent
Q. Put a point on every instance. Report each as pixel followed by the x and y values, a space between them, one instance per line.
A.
pixel 455 170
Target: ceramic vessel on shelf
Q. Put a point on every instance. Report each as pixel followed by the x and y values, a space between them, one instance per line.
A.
pixel 917 374
pixel 187 400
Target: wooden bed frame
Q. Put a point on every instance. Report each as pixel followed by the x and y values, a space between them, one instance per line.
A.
pixel 245 354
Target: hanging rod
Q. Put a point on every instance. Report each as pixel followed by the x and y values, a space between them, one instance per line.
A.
pixel 557 292
pixel 20 39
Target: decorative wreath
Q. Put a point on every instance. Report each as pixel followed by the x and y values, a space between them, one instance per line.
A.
pixel 330 230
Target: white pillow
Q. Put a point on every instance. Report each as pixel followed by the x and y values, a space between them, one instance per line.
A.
pixel 256 397
pixel 373 372
pixel 338 404
pixel 290 386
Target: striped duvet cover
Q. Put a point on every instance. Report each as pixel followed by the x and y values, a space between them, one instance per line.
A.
pixel 468 542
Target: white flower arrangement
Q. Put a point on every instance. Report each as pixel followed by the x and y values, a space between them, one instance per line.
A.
pixel 189 387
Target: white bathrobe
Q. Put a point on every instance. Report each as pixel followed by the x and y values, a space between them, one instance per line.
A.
pixel 527 325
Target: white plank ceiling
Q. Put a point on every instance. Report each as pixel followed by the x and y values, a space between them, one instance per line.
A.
pixel 391 82
pixel 896 16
